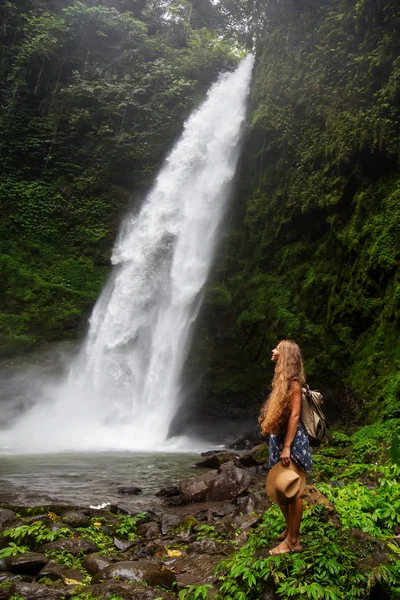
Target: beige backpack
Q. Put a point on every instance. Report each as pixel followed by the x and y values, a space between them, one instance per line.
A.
pixel 312 415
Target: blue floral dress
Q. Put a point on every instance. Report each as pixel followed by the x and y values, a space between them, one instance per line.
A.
pixel 300 451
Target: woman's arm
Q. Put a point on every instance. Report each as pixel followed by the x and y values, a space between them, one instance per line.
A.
pixel 292 424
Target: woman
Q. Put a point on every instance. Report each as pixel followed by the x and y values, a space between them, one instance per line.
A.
pixel 280 417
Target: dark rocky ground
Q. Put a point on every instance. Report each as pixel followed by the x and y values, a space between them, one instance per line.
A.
pixel 158 553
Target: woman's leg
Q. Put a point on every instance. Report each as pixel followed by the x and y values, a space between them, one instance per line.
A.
pixel 295 515
pixel 285 512
pixel 292 540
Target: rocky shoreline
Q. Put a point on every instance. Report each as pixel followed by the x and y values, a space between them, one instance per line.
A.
pixel 196 526
pixel 60 552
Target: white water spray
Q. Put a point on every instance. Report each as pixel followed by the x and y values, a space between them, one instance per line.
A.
pixel 123 389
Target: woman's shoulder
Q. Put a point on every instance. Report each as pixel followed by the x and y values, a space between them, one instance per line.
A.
pixel 295 385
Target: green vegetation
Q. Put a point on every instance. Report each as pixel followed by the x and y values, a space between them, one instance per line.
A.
pixel 91 97
pixel 313 252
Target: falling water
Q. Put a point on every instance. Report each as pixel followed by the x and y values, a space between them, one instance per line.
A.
pixel 123 389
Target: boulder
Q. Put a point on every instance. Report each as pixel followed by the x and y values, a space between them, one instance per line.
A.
pixel 29 563
pixel 57 572
pixel 248 440
pixel 226 483
pixel 169 522
pixel 149 530
pixel 122 545
pixel 215 460
pixel 72 545
pixel 7 590
pixel 229 483
pixel 194 489
pixel 94 563
pixel 168 491
pixel 209 546
pixel 6 518
pixel 34 591
pixel 244 522
pixel 313 496
pixel 3 564
pixel 131 490
pixel 196 569
pixel 259 455
pixel 254 502
pixel 140 570
pixel 76 518
pixel 127 591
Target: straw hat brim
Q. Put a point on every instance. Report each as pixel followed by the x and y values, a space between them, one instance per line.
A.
pixel 270 483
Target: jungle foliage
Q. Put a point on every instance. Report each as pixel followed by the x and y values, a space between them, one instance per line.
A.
pixel 313 253
pixel 92 94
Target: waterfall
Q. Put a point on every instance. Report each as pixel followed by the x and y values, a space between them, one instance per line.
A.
pixel 124 387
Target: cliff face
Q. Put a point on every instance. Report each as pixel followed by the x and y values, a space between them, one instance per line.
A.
pixel 313 252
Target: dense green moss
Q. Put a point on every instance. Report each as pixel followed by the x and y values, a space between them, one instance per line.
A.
pixel 315 250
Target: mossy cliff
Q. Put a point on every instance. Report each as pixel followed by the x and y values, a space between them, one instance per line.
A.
pixel 313 253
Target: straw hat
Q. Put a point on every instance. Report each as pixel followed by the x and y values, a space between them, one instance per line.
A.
pixel 285 485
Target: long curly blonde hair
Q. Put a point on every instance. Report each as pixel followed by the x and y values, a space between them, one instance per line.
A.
pixel 289 372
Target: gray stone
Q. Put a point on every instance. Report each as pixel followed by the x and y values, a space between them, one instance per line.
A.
pixel 131 490
pixel 33 591
pixel 72 545
pixel 57 572
pixel 244 522
pixel 140 570
pixel 7 590
pixel 29 563
pixel 194 489
pixel 94 563
pixel 196 569
pixel 169 522
pixel 127 591
pixel 149 530
pixel 168 491
pixel 257 456
pixel 76 518
pixel 122 545
pixel 215 460
pixel 209 546
pixel 229 483
pixel 254 502
pixel 6 517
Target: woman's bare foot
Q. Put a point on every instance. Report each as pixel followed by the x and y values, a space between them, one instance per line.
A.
pixel 286 547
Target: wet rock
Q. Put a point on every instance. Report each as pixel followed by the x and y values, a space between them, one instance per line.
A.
pixel 248 440
pixel 122 545
pixel 7 590
pixel 244 522
pixel 169 522
pixel 57 526
pixel 222 510
pixel 7 575
pixel 6 518
pixel 209 546
pixel 57 572
pixel 76 518
pixel 140 570
pixel 149 530
pixel 254 502
pixel 313 496
pixel 257 456
pixel 34 591
pixel 196 569
pixel 215 460
pixel 29 563
pixel 43 518
pixel 94 563
pixel 72 545
pixel 127 591
pixel 168 491
pixel 194 489
pixel 130 490
pixel 3 564
pixel 230 482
